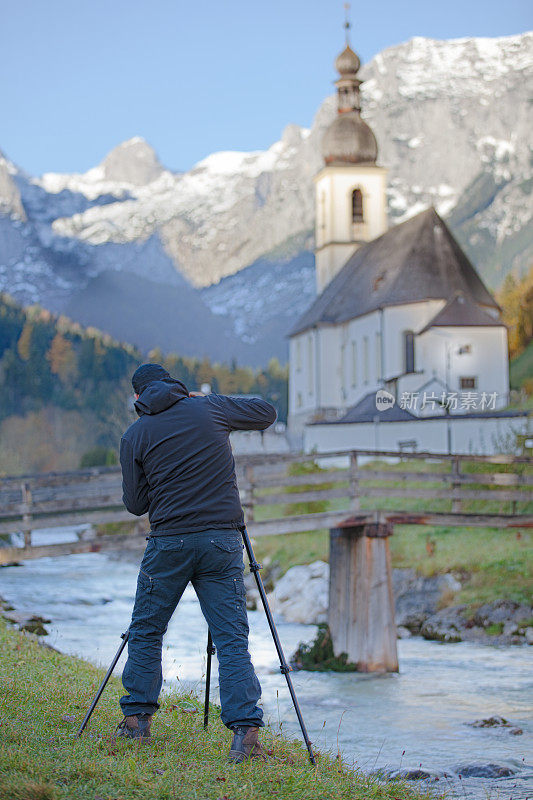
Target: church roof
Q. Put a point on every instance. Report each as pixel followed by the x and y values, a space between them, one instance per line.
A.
pixel 414 261
pixel 365 411
pixel 458 311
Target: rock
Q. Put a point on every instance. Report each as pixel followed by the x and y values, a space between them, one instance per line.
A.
pixel 35 625
pixel 484 771
pixel 490 722
pixel 501 611
pixel 447 625
pixel 529 635
pixel 301 595
pixel 411 775
pixel 68 718
pixel 31 624
pixel 509 628
pixel 516 731
pixel 417 597
pixel 403 633
pixel 269 575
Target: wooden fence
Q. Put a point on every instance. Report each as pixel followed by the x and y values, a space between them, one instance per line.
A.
pixel 290 493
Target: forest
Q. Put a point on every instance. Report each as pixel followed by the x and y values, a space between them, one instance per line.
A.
pixel 66 391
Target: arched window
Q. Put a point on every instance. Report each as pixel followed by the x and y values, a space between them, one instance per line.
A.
pixel 357 206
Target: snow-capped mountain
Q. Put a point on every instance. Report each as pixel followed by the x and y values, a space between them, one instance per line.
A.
pixel 452 120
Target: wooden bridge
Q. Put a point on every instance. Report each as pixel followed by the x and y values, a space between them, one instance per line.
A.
pixel 359 496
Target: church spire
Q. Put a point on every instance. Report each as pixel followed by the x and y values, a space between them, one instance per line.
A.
pixel 349 140
pixel 347 65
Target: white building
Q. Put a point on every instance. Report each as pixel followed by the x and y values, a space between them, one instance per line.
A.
pixel 402 309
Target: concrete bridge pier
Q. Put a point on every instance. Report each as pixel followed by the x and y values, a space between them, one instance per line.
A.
pixel 361 601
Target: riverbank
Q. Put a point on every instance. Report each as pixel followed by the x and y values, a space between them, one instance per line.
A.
pixel 450 584
pixel 45 694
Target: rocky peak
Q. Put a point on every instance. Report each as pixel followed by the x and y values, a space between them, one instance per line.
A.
pixel 10 202
pixel 133 161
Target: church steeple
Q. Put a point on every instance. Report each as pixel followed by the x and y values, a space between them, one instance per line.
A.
pixel 350 188
pixel 349 140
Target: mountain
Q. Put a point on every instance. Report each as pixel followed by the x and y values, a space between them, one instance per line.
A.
pixel 452 120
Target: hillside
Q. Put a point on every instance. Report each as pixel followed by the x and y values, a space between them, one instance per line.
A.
pixel 66 390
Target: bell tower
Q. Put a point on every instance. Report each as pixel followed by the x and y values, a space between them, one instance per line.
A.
pixel 351 206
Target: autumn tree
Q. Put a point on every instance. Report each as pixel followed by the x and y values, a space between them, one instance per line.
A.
pixel 516 300
pixel 62 358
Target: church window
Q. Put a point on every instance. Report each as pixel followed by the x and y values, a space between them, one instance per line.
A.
pixel 378 356
pixel 365 359
pixel 354 364
pixel 468 383
pixel 299 400
pixel 409 351
pixel 298 355
pixel 357 206
pixel 310 371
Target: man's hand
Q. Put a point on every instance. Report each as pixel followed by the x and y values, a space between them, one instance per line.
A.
pixel 196 394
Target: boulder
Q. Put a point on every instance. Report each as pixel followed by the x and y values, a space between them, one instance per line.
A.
pixel 417 597
pixel 484 771
pixel 446 625
pixel 301 595
pixel 500 612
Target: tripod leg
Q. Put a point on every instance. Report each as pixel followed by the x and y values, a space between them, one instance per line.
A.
pixel 98 694
pixel 284 667
pixel 210 653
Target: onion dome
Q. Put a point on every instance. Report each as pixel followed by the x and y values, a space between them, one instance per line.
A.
pixel 347 62
pixel 349 140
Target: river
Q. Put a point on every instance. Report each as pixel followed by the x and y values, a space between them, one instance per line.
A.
pixel 416 719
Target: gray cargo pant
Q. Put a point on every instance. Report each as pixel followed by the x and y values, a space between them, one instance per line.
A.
pixel 213 561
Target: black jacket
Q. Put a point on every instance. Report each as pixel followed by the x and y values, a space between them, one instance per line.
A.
pixel 176 459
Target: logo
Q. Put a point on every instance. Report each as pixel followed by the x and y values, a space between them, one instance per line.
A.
pixel 384 400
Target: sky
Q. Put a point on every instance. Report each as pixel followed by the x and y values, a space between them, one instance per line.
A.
pixel 77 77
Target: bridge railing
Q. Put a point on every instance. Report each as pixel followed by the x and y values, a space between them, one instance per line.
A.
pixel 303 492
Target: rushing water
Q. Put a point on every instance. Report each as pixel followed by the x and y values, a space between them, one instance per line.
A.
pixel 406 721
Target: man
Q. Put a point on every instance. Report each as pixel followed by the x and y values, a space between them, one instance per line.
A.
pixel 177 464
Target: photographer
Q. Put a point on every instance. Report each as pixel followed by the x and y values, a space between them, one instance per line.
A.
pixel 178 465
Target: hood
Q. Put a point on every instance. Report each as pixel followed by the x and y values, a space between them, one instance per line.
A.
pixel 160 395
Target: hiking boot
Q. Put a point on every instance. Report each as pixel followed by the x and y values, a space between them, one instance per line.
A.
pixel 245 744
pixel 137 727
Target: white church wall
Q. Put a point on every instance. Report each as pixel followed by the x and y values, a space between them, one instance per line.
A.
pixel 478 353
pixel 302 373
pixel 329 367
pixel 474 436
pixel 396 321
pixel 361 357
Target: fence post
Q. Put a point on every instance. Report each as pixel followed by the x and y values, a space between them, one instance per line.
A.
pixel 355 502
pixel 248 502
pixel 457 505
pixel 361 601
pixel 26 514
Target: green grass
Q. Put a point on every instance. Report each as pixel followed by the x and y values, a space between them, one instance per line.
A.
pixel 40 759
pixel 490 563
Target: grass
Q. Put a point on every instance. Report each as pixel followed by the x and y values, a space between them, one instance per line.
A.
pixel 42 691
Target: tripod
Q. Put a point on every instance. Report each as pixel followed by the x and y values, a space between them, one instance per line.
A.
pixel 285 669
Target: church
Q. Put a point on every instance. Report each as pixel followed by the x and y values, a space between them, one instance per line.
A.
pixel 401 310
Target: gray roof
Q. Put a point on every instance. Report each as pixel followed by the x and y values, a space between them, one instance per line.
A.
pixel 365 411
pixel 414 261
pixel 459 311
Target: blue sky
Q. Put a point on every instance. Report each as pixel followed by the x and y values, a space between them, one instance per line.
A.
pixel 79 76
